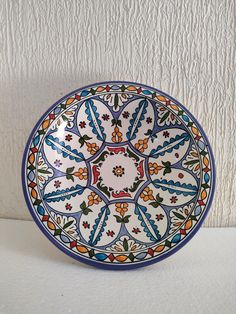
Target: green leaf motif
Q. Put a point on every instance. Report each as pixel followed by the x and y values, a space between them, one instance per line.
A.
pixel 132 155
pixel 44 171
pixel 131 257
pixel 167 170
pixel 64 118
pixel 116 101
pixel 119 123
pixel 126 219
pixel 83 205
pixel 158 198
pixel 101 157
pixel 57 232
pixel 135 185
pixel 206 186
pixel 92 91
pixel 70 170
pixel 70 177
pixel 67 224
pixel 149 132
pixel 122 220
pixel 116 122
pixel 193 218
pixel 86 137
pixel 154 204
pixel 157 202
pixel 104 189
pixel 81 141
pixel 178 215
pixel 166 115
pixel 63 106
pixel 125 244
pixel 37 202
pixel 118 218
pixel 167 164
pixel 87 210
pixel 91 253
pixel 191 162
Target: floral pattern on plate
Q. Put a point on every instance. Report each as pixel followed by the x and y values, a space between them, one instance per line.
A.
pixel 122 171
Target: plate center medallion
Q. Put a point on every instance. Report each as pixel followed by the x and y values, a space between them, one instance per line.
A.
pixel 118 172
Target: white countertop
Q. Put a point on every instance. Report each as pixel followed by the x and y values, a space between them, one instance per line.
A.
pixel 35 277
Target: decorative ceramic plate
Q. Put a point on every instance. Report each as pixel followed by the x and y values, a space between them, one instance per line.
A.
pixel 118 175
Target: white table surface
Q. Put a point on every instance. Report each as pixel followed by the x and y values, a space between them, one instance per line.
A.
pixel 35 277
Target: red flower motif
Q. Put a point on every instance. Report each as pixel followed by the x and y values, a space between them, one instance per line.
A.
pixel 68 206
pixel 159 217
pixel 149 120
pixel 110 233
pixel 166 134
pixel 136 230
pixel 126 114
pixel 82 124
pixel 86 225
pixel 57 184
pixel 68 137
pixel 173 199
pixel 106 117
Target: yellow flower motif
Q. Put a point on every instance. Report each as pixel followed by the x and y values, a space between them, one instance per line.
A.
pixel 141 145
pixel 116 135
pixel 147 194
pixel 93 199
pixel 82 173
pixel 122 208
pixel 153 167
pixel 92 148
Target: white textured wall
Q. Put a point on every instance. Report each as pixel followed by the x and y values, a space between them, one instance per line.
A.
pixel 185 48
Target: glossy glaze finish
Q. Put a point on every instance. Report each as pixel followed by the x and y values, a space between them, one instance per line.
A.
pixel 118 175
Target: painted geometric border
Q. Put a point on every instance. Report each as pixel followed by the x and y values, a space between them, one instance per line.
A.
pixel 95 256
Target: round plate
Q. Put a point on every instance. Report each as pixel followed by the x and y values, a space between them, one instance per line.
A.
pixel 118 175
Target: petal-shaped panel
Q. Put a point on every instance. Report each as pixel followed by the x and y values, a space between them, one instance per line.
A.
pixel 63 154
pixel 64 195
pixel 99 226
pixel 147 223
pixel 137 118
pixel 94 120
pixel 170 145
pixel 175 188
